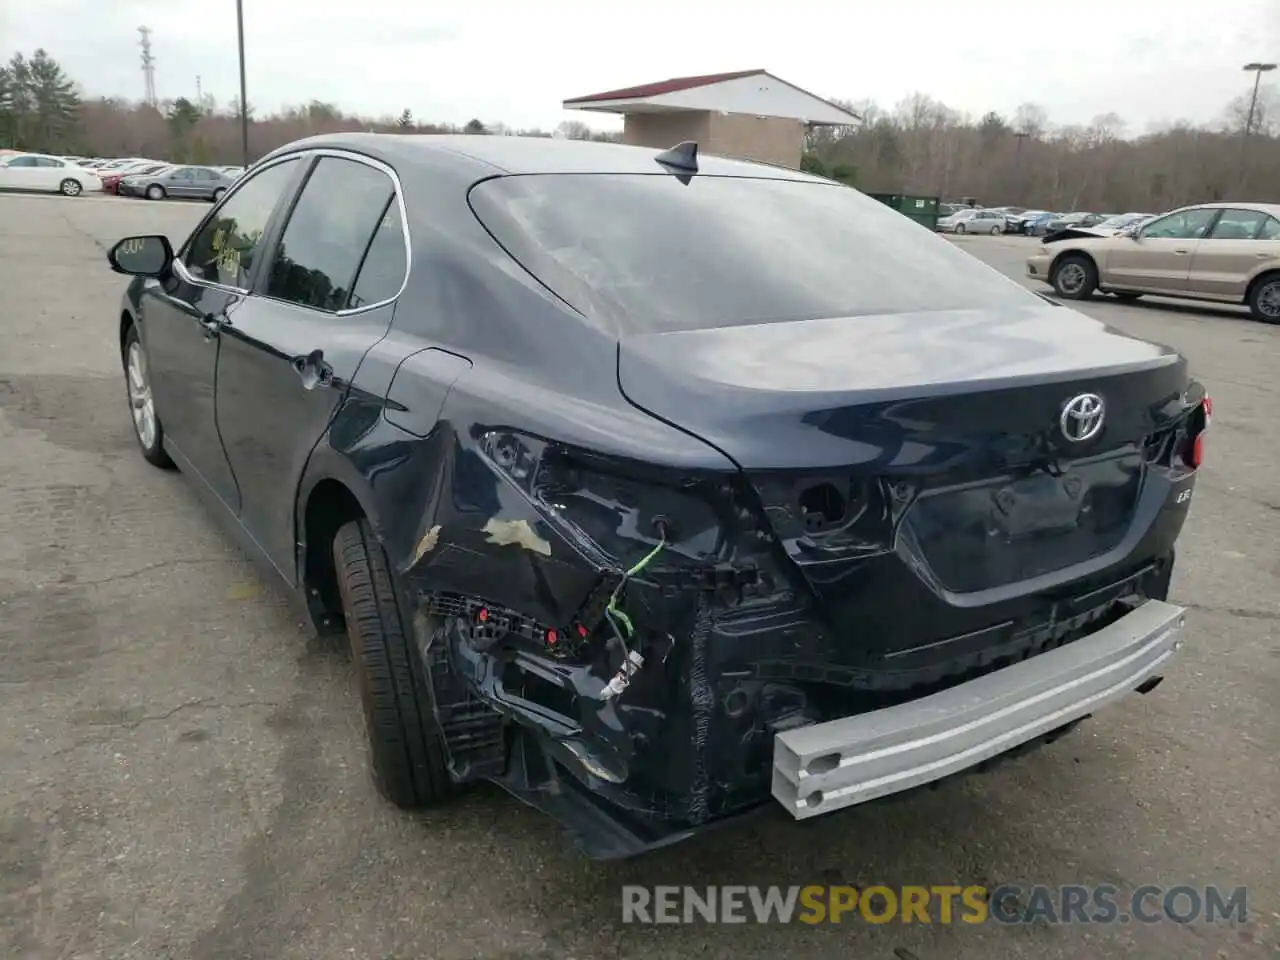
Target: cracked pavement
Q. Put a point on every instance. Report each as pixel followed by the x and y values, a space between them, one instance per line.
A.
pixel 182 766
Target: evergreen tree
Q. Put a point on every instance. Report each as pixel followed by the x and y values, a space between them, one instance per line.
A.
pixel 53 99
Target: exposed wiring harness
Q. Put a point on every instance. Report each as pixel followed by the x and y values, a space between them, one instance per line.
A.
pixel 617 618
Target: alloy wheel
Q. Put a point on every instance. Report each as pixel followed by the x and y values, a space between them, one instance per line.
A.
pixel 1071 278
pixel 141 404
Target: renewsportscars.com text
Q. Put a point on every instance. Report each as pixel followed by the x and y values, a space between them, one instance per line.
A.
pixel 937 904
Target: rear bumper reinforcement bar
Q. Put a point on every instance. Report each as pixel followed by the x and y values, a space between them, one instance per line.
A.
pixel 827 766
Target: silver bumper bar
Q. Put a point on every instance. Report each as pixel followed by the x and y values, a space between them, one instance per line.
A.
pixel 826 766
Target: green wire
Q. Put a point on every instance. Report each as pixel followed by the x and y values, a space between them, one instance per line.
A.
pixel 612 609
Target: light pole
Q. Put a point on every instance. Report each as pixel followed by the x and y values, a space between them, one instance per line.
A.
pixel 1257 69
pixel 244 103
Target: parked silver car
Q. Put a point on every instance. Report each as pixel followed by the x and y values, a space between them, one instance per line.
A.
pixel 194 183
pixel 973 221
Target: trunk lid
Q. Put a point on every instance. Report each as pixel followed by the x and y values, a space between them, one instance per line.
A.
pixel 938 436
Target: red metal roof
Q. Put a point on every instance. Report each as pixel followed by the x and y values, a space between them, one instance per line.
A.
pixel 663 86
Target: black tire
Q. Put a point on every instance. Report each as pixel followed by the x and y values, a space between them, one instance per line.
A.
pixel 70 187
pixel 156 192
pixel 1264 298
pixel 218 194
pixel 995 231
pixel 1074 277
pixel 152 450
pixel 407 751
pixel 960 228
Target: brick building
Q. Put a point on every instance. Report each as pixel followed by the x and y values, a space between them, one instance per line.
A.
pixel 750 114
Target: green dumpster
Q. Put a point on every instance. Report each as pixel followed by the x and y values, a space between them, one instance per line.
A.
pixel 923 210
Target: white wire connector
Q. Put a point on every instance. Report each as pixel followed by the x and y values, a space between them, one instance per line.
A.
pixel 631 665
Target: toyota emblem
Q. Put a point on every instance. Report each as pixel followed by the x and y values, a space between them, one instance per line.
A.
pixel 1082 417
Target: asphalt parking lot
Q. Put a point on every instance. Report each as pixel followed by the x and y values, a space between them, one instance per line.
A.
pixel 182 768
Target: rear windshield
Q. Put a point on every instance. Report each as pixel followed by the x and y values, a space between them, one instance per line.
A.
pixel 649 253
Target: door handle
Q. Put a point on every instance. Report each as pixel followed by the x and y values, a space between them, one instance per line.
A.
pixel 1181 252
pixel 313 370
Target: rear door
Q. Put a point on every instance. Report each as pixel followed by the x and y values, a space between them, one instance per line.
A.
pixel 21 173
pixel 1240 245
pixel 288 354
pixel 1158 259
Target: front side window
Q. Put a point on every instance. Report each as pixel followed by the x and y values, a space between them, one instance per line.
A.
pixel 332 224
pixel 1270 230
pixel 1238 225
pixel 646 253
pixel 224 249
pixel 1183 225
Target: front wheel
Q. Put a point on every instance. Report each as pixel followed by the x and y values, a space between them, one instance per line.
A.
pixel 70 188
pixel 995 231
pixel 155 192
pixel 217 194
pixel 1074 277
pixel 1264 299
pixel 960 228
pixel 142 404
pixel 408 754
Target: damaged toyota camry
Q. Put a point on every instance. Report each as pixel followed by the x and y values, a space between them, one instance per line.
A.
pixel 662 488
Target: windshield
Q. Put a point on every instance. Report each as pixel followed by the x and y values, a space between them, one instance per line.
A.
pixel 650 253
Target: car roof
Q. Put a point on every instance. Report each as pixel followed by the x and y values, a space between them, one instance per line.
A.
pixel 1271 208
pixel 488 155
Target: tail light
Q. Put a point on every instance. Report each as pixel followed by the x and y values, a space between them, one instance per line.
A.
pixel 622 509
pixel 1192 446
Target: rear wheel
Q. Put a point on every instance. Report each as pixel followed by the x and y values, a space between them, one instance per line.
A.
pixel 1264 299
pixel 1074 277
pixel 960 228
pixel 70 188
pixel 217 194
pixel 408 755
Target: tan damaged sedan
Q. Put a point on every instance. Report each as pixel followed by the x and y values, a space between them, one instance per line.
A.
pixel 1223 252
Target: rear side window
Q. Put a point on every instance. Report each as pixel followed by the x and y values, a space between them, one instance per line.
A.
pixel 648 253
pixel 1238 225
pixel 329 230
pixel 383 271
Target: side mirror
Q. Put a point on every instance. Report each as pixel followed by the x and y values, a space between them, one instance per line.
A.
pixel 149 256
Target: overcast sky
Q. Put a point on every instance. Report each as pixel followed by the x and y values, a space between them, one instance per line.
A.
pixel 500 60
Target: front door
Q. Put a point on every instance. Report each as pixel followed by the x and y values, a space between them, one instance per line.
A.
pixel 1158 258
pixel 180 183
pixel 181 319
pixel 289 354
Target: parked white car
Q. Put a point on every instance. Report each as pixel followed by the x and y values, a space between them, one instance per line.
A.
pixel 973 221
pixel 36 171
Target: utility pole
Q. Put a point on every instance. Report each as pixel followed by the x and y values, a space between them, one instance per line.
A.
pixel 148 65
pixel 244 102
pixel 199 93
pixel 1257 69
pixel 1019 136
